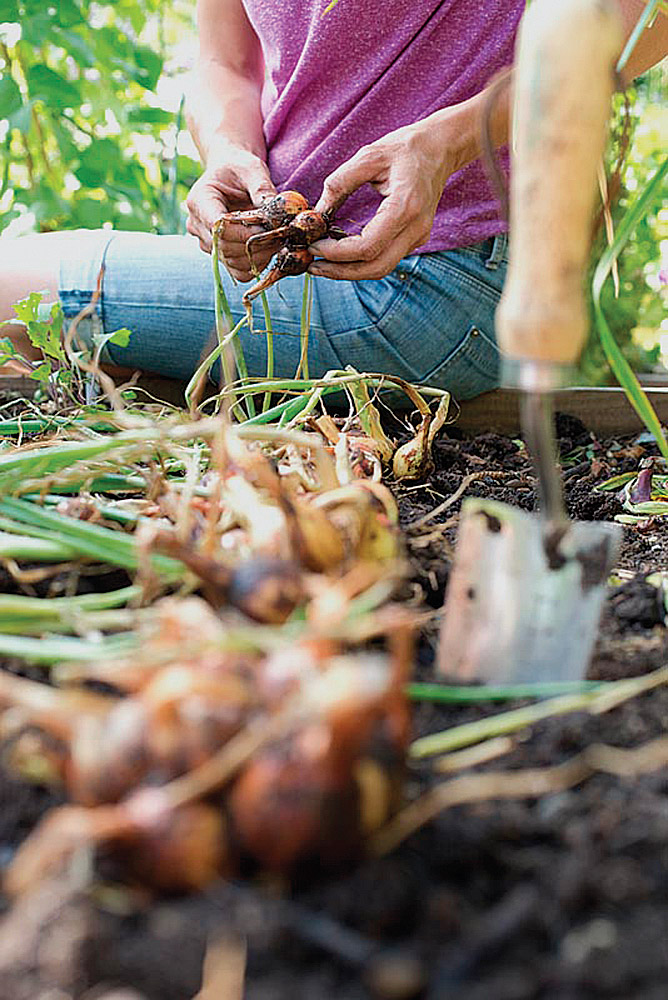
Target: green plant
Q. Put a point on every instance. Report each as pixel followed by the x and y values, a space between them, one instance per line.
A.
pixel 57 369
pixel 44 333
pixel 620 366
pixel 81 140
pixel 631 301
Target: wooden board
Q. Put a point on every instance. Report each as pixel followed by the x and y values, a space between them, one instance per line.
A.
pixel 603 410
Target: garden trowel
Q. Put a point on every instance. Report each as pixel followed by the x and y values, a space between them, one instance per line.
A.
pixel 525 592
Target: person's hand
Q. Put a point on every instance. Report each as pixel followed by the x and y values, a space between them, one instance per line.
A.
pixel 409 167
pixel 234 180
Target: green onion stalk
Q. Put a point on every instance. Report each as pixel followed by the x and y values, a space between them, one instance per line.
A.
pixel 40 462
pixel 219 351
pixel 21 615
pixel 331 381
pixel 224 326
pixel 54 649
pixel 28 548
pixel 93 541
pixel 39 425
pixel 266 402
pixel 305 326
pixel 620 366
pixel 466 694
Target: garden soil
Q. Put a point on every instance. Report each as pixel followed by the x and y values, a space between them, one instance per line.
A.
pixel 559 897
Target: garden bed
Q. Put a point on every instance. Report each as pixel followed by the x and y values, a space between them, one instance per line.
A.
pixel 560 896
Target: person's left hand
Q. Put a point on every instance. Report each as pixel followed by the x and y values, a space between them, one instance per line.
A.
pixel 409 167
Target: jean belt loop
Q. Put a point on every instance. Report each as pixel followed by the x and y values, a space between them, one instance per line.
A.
pixel 498 251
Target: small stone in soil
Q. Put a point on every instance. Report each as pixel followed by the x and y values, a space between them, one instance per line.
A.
pixel 396 976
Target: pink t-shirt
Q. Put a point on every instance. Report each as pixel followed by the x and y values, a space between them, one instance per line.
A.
pixel 337 81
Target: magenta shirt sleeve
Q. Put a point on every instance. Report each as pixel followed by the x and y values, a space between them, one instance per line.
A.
pixel 337 81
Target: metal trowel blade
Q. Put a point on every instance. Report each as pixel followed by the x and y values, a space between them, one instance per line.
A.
pixel 517 609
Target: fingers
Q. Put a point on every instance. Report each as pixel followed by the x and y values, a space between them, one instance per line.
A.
pixel 237 263
pixel 358 270
pixel 232 241
pixel 259 184
pixel 383 230
pixel 242 182
pixel 393 233
pixel 205 206
pixel 236 232
pixel 363 167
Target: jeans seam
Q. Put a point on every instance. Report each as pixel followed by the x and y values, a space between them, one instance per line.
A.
pixel 471 280
pixel 460 350
pixel 410 272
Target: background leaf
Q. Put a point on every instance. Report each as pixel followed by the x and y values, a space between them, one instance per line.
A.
pixel 10 96
pixel 53 88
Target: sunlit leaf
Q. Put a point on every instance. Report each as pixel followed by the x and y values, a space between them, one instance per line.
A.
pixel 7 350
pixel 34 28
pixel 68 12
pixel 9 10
pixel 90 213
pixel 620 366
pixel 77 47
pixel 615 482
pixel 120 337
pixel 68 149
pixel 52 87
pixel 150 116
pixel 43 334
pixel 149 66
pixel 21 118
pixel 97 162
pixel 42 373
pixel 10 96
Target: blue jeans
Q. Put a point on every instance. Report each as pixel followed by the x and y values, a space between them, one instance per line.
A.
pixel 431 321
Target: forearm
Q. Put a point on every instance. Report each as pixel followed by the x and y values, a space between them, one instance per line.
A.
pixel 459 129
pixel 460 126
pixel 224 103
pixel 223 109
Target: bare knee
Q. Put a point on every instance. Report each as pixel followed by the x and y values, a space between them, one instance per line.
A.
pixel 27 264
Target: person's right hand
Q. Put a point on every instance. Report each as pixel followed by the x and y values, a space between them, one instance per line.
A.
pixel 234 180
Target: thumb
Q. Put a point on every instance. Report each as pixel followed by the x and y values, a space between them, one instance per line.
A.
pixel 210 208
pixel 259 184
pixel 342 182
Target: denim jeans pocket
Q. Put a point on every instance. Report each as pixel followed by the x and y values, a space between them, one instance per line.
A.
pixel 470 368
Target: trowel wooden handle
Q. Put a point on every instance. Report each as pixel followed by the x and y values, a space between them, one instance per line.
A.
pixel 563 83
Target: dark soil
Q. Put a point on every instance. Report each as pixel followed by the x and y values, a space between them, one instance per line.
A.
pixel 562 897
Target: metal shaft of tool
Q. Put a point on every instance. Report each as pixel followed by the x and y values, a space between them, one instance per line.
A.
pixel 538 425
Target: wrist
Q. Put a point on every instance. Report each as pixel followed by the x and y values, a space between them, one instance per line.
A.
pixel 223 147
pixel 457 130
pixel 223 126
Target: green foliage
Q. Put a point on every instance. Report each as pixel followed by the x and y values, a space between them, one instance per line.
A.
pixel 618 363
pixel 44 324
pixel 81 143
pixel 44 333
pixel 638 304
